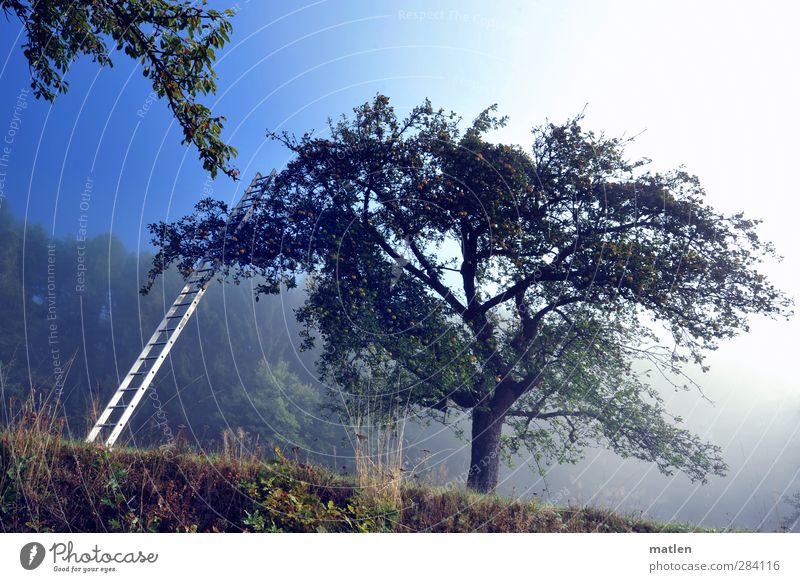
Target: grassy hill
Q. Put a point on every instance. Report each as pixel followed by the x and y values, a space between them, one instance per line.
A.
pixel 48 484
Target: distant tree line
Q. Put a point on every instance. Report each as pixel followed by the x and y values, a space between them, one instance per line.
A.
pixel 73 321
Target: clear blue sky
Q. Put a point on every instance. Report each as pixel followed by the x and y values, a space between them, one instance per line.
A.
pixel 712 85
pixel 714 88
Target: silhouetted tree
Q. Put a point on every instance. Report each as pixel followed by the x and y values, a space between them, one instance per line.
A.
pixel 517 287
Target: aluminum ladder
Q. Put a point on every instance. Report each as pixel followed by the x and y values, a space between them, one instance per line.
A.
pixel 124 401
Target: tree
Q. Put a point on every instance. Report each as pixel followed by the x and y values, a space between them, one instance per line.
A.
pixel 277 404
pixel 520 288
pixel 175 41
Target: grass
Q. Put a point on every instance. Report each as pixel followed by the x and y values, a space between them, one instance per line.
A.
pixel 49 484
pixel 52 484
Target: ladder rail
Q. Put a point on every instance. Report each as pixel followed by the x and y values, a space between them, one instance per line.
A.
pixel 137 368
pixel 146 364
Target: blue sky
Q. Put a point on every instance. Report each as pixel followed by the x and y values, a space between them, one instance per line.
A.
pixel 710 85
pixel 285 68
pixel 711 88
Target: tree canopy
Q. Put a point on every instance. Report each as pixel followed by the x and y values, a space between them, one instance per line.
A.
pixel 175 41
pixel 521 288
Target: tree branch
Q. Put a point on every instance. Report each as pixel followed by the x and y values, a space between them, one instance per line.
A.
pixel 433 282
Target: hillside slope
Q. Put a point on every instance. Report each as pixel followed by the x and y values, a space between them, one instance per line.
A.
pixel 48 484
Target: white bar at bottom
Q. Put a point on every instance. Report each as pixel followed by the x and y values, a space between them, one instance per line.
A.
pixel 405 557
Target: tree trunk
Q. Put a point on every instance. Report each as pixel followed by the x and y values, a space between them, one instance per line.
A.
pixel 484 466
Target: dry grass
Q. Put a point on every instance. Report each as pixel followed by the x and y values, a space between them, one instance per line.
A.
pixel 48 483
pixel 64 486
pixel 379 460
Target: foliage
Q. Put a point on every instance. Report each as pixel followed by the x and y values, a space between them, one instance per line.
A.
pixel 520 287
pixel 276 402
pixel 174 40
pixel 286 502
pixel 790 523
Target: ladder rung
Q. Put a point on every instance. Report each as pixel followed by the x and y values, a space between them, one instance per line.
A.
pixel 197 282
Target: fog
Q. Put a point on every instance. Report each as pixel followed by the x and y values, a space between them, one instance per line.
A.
pixel 745 403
